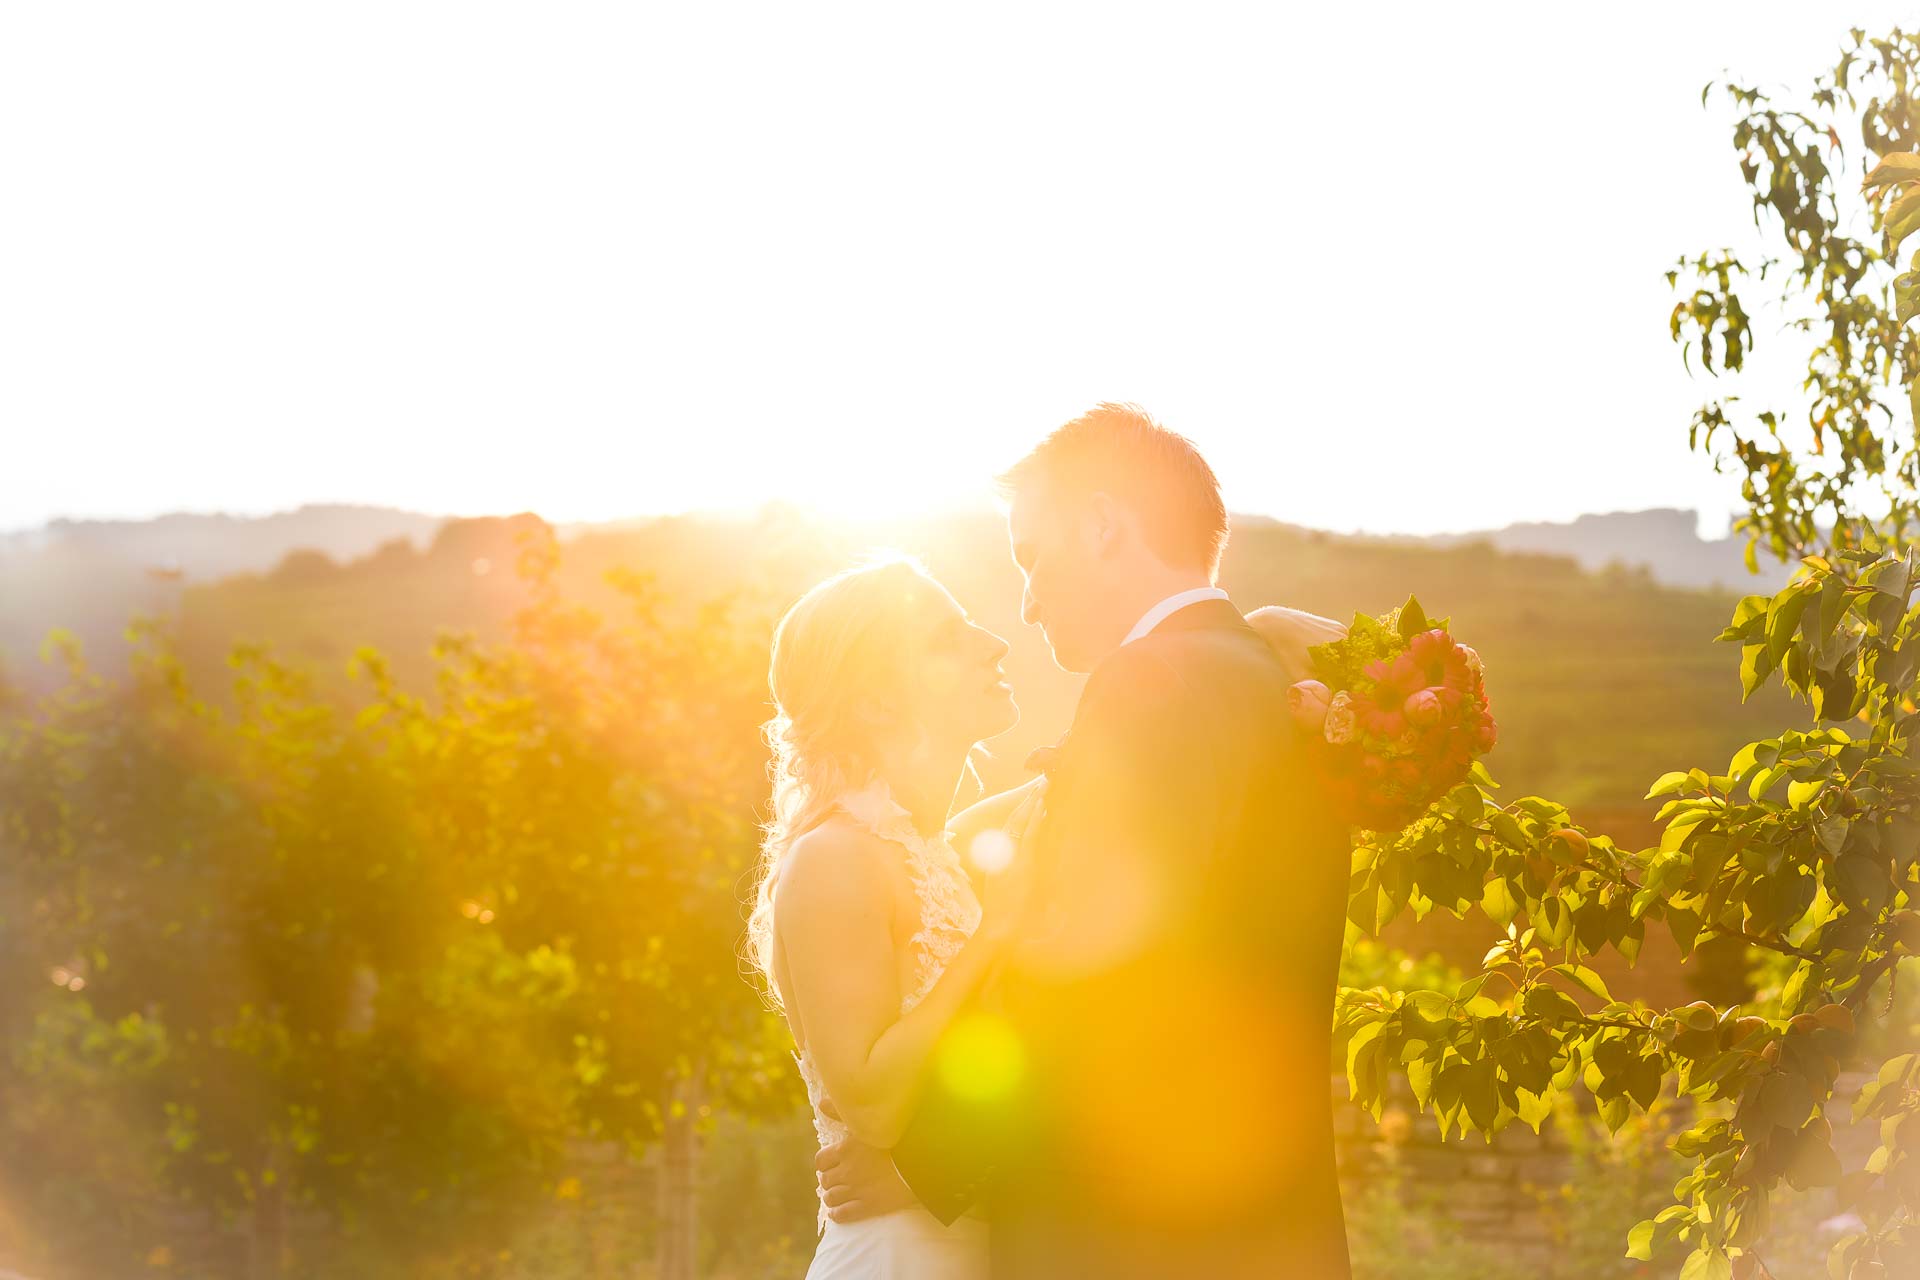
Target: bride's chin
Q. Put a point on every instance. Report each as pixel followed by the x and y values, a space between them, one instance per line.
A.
pixel 1009 717
pixel 997 721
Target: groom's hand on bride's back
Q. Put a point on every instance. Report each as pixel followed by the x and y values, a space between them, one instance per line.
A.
pixel 858 1181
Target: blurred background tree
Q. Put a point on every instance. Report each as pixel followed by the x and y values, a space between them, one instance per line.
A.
pixel 382 963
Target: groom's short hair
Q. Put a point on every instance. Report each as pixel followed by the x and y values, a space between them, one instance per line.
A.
pixel 1118 450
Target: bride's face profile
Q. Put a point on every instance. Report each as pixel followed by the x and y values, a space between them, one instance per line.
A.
pixel 881 660
pixel 955 688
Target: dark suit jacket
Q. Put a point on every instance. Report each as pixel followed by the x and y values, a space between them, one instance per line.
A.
pixel 1160 1103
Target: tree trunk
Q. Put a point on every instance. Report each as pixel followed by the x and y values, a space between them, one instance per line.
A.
pixel 267 1242
pixel 679 1185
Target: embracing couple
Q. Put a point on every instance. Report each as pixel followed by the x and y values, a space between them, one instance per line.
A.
pixel 1103 1046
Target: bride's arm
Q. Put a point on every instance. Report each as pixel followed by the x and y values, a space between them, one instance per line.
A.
pixel 1291 632
pixel 994 811
pixel 833 913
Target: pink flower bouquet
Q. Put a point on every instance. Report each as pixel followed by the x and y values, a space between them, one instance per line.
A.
pixel 1397 716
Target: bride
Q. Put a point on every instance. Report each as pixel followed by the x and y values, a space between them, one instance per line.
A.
pixel 865 924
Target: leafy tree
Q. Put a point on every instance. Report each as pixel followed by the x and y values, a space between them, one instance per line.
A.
pixel 384 962
pixel 1804 845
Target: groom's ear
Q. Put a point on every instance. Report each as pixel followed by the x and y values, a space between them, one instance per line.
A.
pixel 1105 524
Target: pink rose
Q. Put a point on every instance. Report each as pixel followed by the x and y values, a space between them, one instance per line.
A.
pixel 1485 734
pixel 1423 706
pixel 1309 700
pixel 1340 719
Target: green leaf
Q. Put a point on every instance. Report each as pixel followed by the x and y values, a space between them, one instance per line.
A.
pixel 1552 921
pixel 1508 828
pixel 1640 1240
pixel 1499 901
pixel 1906 296
pixel 1413 619
pixel 1763 781
pixel 1802 794
pixel 1420 1079
pixel 1783 619
pixel 1746 615
pixel 1668 784
pixel 1684 925
pixel 1840 1258
pixel 1643 1080
pixel 1586 977
pixel 1481 1095
pixel 1888 577
pixel 1707 1263
pixel 1898 167
pixel 1902 220
pixel 1795 990
pixel 1813 1163
pixel 1755 666
pixel 1358 1041
pixel 1533 1108
pixel 1863 883
pixel 1833 607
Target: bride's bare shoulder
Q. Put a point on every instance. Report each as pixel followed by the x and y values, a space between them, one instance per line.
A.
pixel 838 864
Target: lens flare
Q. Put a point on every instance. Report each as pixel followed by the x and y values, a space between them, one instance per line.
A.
pixel 991 851
pixel 981 1058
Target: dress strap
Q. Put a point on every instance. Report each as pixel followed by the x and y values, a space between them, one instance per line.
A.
pixel 949 912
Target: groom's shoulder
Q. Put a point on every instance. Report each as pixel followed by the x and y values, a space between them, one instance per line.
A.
pixel 1204 654
pixel 1141 668
pixel 1174 669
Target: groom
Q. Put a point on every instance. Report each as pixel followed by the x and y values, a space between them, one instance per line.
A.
pixel 1161 1105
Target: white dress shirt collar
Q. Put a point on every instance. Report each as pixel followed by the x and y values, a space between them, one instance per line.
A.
pixel 1171 605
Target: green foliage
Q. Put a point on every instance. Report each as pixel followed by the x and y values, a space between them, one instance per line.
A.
pixel 1805 846
pixel 389 959
pixel 1836 287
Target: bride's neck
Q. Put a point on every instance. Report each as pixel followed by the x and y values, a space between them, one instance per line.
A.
pixel 924 783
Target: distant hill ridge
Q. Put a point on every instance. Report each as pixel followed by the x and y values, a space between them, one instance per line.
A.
pixel 1606 678
pixel 203 547
pixel 1667 541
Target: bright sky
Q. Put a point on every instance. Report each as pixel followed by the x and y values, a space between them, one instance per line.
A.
pixel 1394 266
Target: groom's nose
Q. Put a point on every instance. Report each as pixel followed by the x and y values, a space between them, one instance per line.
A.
pixel 1029 614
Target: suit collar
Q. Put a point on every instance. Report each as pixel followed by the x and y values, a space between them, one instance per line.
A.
pixel 1169 606
pixel 1204 615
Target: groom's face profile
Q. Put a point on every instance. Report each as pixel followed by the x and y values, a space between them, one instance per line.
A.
pixel 1059 560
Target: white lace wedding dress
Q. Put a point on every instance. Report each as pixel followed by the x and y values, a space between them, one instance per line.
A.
pixel 910 1244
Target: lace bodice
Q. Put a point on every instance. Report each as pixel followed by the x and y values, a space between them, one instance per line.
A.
pixel 949 913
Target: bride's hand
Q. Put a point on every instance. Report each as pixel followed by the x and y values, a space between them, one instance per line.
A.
pixel 1291 632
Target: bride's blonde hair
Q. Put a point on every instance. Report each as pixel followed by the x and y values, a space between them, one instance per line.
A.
pixel 838 662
